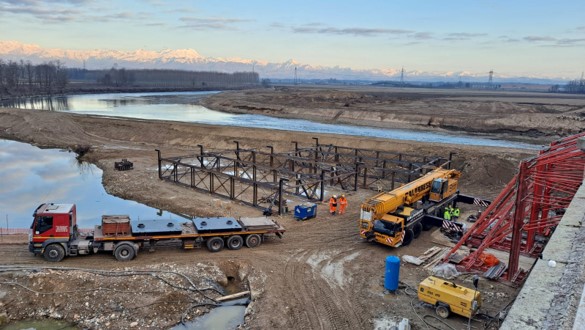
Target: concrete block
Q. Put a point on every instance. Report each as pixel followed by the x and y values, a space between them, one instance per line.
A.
pixel 581 143
pixel 580 316
pixel 560 245
pixel 534 301
pixel 575 214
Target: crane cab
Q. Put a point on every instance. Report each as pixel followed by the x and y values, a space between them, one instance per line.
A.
pixel 442 188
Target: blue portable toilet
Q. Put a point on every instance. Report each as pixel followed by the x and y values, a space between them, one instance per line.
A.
pixel 392 273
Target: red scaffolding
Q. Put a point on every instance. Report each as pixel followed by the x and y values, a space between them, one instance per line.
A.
pixel 522 217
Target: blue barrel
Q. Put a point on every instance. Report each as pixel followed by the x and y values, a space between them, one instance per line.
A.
pixel 392 273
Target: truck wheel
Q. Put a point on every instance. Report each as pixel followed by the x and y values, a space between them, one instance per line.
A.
pixel 417 229
pixel 253 241
pixel 54 253
pixel 235 242
pixel 442 311
pixel 215 244
pixel 408 237
pixel 124 252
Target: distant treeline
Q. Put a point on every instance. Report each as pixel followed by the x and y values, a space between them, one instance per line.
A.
pixel 20 78
pixel 24 78
pixel 165 78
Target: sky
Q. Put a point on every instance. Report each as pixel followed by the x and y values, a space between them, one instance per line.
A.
pixel 513 38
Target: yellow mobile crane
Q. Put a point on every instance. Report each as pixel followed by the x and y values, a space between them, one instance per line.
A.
pixel 397 217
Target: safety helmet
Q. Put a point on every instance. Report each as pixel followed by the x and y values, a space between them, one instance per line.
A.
pixel 334 196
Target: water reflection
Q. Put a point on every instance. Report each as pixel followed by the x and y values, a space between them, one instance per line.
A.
pixel 30 176
pixel 219 318
pixel 180 106
pixel 56 103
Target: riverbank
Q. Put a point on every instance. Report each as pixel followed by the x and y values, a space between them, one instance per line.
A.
pixel 528 117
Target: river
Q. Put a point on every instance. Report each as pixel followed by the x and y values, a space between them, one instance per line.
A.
pixel 30 176
pixel 181 106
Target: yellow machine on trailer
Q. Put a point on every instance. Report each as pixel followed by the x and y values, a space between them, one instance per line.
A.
pixel 447 297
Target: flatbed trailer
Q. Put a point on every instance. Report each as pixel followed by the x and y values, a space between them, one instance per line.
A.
pixel 55 234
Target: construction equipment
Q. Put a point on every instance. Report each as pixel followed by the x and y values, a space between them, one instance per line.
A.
pixel 124 165
pixel 55 234
pixel 396 218
pixel 447 297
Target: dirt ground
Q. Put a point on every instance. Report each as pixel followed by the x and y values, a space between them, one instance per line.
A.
pixel 319 276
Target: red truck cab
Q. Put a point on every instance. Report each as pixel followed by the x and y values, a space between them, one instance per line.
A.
pixel 53 224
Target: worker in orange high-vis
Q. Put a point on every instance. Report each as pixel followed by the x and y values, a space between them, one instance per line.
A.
pixel 342 204
pixel 333 204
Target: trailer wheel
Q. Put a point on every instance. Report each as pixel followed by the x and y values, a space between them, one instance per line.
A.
pixel 408 237
pixel 235 242
pixel 253 241
pixel 215 244
pixel 417 229
pixel 124 252
pixel 442 311
pixel 54 253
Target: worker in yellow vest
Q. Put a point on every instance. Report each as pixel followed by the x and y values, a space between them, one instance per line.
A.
pixel 447 214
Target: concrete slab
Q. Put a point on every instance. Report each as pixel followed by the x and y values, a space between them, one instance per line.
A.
pixel 575 214
pixel 580 316
pixel 532 305
pixel 560 245
pixel 581 143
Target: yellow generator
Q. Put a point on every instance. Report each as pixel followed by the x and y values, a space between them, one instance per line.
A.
pixel 447 297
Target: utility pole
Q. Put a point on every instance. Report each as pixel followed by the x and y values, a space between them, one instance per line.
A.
pixel 491 78
pixel 402 77
pixel 295 81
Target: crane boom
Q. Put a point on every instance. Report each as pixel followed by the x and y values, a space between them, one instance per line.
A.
pixel 408 194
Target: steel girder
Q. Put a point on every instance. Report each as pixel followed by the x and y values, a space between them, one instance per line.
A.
pixel 522 217
pixel 259 178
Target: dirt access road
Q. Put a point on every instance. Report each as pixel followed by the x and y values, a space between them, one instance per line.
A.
pixel 319 276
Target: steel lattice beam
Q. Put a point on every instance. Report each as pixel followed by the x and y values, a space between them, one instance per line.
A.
pixel 528 208
pixel 259 178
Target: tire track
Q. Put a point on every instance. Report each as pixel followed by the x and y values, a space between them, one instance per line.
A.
pixel 327 306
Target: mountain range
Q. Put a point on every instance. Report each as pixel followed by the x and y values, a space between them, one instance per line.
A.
pixel 189 59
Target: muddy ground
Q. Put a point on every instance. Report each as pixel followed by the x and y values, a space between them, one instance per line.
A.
pixel 319 276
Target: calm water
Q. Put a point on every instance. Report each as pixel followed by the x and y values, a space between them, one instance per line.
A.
pixel 48 324
pixel 180 106
pixel 30 176
pixel 225 317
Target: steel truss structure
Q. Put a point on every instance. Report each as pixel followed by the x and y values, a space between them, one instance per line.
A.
pixel 261 178
pixel 520 220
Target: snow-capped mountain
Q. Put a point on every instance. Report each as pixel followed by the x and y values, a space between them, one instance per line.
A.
pixel 189 59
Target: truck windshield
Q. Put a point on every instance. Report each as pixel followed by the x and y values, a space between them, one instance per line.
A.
pixel 43 223
pixel 386 227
